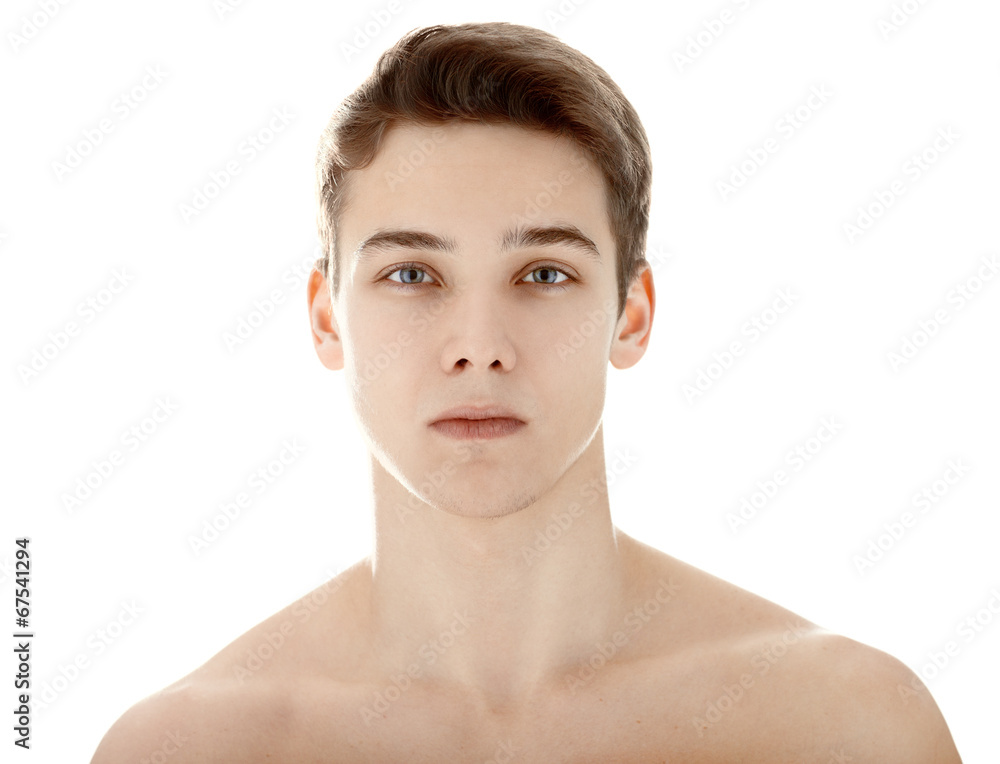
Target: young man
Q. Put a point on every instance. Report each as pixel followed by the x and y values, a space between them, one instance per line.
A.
pixel 484 203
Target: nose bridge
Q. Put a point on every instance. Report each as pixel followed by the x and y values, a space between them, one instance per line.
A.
pixel 477 330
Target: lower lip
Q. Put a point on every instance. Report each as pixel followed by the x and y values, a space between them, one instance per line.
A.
pixel 477 429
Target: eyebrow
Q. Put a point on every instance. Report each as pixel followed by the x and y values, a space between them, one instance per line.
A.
pixel 516 238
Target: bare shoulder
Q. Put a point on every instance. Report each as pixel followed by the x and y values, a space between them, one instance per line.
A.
pixel 192 721
pixel 248 702
pixel 864 704
pixel 766 684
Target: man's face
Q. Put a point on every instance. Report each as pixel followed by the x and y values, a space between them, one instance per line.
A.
pixel 474 317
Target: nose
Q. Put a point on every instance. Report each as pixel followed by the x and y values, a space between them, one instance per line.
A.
pixel 477 335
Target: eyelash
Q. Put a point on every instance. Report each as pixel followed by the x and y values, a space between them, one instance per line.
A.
pixel 415 267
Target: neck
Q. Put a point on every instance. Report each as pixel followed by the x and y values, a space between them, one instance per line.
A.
pixel 498 605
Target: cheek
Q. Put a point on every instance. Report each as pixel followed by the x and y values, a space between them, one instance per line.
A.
pixel 378 361
pixel 373 336
pixel 583 340
pixel 570 360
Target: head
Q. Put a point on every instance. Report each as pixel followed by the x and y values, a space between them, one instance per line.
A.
pixel 484 200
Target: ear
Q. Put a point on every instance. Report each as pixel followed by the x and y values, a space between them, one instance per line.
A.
pixel 325 333
pixel 636 322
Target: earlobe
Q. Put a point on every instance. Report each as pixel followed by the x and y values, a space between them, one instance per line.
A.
pixel 633 328
pixel 325 333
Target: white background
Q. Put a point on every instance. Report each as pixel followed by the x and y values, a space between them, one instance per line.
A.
pixel 719 263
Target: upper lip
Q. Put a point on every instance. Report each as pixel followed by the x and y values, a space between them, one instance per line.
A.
pixel 478 412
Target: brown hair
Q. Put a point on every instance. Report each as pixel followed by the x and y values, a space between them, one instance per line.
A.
pixel 493 73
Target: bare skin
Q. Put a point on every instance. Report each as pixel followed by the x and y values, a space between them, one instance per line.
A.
pixel 502 616
pixel 807 695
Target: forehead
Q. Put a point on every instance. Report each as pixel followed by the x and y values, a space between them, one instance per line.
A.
pixel 464 179
pixel 476 144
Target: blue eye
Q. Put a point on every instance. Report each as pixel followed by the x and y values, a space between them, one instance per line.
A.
pixel 550 270
pixel 408 271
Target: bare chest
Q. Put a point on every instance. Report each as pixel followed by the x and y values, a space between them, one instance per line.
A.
pixel 616 721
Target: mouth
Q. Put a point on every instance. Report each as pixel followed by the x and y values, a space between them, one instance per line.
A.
pixel 478 422
pixel 478 429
